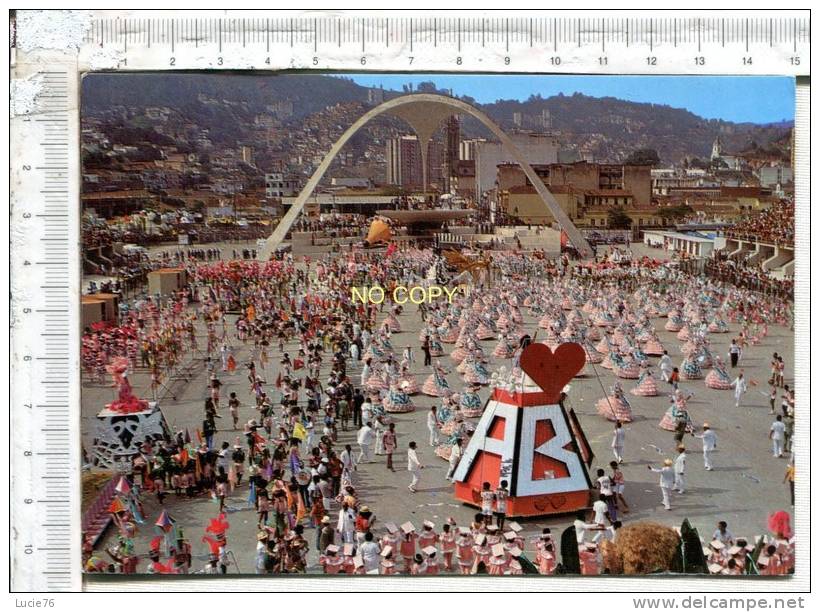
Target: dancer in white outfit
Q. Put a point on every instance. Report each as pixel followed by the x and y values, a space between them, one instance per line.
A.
pixel 618 437
pixel 432 426
pixel 667 482
pixel 740 386
pixel 777 433
pixel 414 466
pixel 709 445
pixel 680 470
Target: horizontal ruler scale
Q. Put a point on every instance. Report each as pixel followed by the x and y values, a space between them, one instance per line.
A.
pixel 607 45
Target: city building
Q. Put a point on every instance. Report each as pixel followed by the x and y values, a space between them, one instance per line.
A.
pixel 772 176
pixel 536 149
pixel 375 95
pixel 546 120
pixel 246 154
pixel 585 192
pixel 281 109
pixel 351 183
pixel 732 162
pixel 463 180
pixel 523 203
pixel 404 164
pixel 602 184
pixel 107 204
pixel 641 218
pixel 278 185
pixel 717 149
pixel 693 244
pixel 363 204
pixel 467 148
pixel 664 179
pixel 452 151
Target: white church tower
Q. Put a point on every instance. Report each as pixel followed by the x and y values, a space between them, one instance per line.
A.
pixel 717 148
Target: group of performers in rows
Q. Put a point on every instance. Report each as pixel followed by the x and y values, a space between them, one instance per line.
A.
pixel 772 554
pixel 480 548
pixel 278 304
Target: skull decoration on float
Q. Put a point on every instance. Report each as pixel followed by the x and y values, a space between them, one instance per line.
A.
pixel 125 424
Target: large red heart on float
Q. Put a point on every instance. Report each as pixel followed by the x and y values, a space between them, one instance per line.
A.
pixel 552 371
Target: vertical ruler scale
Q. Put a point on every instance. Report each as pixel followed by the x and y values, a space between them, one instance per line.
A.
pixel 44 402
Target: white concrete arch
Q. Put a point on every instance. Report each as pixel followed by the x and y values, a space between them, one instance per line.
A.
pixel 425 112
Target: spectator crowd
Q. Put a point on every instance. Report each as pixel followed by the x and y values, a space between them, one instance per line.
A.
pixel 773 225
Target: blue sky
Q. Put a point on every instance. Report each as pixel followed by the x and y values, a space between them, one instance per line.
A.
pixel 739 99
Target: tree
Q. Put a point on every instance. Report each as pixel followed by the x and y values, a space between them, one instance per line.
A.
pixel 145 154
pixel 618 219
pixel 94 159
pixel 426 87
pixel 643 157
pixel 674 213
pixel 171 201
pixel 569 551
pixel 393 190
pixel 692 559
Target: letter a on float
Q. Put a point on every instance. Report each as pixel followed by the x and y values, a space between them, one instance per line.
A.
pixel 527 439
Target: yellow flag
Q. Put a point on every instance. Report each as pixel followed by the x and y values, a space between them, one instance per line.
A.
pixel 299 432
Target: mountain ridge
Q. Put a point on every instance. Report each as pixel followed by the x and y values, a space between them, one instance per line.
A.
pixel 607 128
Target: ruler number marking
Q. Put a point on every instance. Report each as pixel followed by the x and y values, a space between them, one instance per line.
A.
pixel 50 419
pixel 457 33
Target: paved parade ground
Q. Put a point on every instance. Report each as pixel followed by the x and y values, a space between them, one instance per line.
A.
pixel 745 486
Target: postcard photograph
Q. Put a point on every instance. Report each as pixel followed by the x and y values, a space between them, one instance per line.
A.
pixel 408 324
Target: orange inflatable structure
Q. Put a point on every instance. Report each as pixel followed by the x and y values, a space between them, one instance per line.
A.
pixel 379 232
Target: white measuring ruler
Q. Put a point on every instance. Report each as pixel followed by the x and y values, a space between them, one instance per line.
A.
pixel 45 175
pixel 44 404
pixel 727 42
